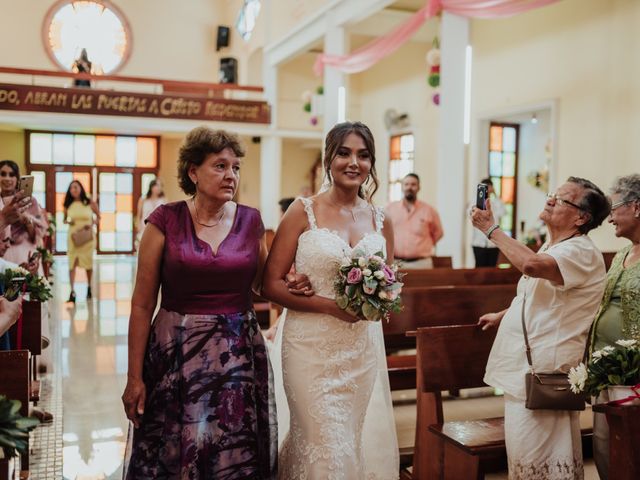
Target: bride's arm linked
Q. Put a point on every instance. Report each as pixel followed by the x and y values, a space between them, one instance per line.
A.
pixel 281 257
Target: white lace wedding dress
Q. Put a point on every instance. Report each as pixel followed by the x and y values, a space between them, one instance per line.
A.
pixel 335 377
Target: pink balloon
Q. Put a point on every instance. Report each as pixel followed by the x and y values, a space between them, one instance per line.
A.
pixel 436 98
pixel 314 121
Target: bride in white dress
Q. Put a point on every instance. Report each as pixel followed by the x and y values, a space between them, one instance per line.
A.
pixel 340 424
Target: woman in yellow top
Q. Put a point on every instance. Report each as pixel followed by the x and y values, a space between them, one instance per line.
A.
pixel 80 213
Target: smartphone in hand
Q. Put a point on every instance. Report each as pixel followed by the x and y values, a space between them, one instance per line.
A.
pixel 26 185
pixel 481 196
pixel 15 287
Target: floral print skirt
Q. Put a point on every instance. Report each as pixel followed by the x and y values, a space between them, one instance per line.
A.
pixel 210 412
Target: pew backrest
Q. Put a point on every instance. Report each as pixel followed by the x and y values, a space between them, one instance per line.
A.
pixel 452 357
pixel 439 306
pixel 460 276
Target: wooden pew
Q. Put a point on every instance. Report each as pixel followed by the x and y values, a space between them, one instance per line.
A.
pixel 608 258
pixel 32 318
pixel 460 276
pixel 444 305
pixel 454 357
pixel 442 262
pixel 624 443
pixel 436 306
pixel 15 376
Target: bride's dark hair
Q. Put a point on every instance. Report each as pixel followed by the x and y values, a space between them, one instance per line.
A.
pixel 334 141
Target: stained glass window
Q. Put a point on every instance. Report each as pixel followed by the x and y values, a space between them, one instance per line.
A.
pixel 116 207
pixel 247 17
pixel 41 148
pixel 90 150
pixel 100 29
pixel 401 154
pixel 40 187
pixel 68 156
pixel 503 169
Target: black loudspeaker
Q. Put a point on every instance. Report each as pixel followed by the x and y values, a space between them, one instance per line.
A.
pixel 228 70
pixel 223 37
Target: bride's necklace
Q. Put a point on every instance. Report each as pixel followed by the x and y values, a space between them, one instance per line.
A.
pixel 208 225
pixel 342 207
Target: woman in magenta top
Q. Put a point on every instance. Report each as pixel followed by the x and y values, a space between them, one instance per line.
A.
pixel 198 381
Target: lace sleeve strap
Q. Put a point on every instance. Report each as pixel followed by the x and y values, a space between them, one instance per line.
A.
pixel 308 207
pixel 379 216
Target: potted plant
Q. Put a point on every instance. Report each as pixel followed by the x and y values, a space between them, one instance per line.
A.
pixel 14 433
pixel 614 368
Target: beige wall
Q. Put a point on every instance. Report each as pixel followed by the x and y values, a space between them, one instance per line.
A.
pixel 294 78
pixel 284 15
pixel 12 148
pixel 249 191
pixel 400 82
pixel 297 161
pixel 169 148
pixel 582 54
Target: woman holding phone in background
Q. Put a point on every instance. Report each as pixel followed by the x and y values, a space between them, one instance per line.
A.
pixel 28 229
pixel 81 214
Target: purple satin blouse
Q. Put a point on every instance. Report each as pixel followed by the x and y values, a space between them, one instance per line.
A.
pixel 193 279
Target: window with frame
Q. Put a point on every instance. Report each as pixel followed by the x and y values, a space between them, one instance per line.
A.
pixel 95 25
pixel 247 18
pixel 401 156
pixel 115 169
pixel 503 170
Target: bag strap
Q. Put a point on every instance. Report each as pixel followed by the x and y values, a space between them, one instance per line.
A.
pixel 526 337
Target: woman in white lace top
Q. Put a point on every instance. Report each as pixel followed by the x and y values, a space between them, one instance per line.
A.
pixel 334 371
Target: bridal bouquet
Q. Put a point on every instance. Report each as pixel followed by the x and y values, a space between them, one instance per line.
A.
pixel 368 287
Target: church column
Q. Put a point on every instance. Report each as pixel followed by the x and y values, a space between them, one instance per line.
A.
pixel 451 142
pixel 336 42
pixel 270 153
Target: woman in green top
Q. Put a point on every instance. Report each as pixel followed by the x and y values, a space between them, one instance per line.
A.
pixel 619 313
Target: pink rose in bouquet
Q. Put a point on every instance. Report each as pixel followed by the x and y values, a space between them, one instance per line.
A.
pixel 368 287
pixel 354 276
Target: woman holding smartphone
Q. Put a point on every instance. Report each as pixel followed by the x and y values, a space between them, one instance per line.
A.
pixel 81 214
pixel 28 229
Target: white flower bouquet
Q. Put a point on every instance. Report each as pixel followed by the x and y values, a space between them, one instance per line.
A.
pixel 609 366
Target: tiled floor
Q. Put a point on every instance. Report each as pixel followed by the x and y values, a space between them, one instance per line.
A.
pixel 90 343
pixel 46 440
pixel 93 364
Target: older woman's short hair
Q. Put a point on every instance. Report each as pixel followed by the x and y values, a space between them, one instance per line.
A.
pixel 628 187
pixel 594 203
pixel 200 143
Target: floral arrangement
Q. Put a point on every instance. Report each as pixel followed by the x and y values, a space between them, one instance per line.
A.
pixel 433 60
pixel 45 255
pixel 14 428
pixel 368 287
pixel 36 286
pixel 610 366
pixel 312 104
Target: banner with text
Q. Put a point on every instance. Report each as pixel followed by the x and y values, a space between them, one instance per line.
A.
pixel 103 102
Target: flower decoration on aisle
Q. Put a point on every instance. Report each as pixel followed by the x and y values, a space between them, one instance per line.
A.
pixel 611 366
pixel 433 60
pixel 312 103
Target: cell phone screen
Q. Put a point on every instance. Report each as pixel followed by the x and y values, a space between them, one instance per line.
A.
pixel 481 196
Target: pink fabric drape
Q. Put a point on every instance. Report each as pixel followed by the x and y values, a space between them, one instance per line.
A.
pixel 370 54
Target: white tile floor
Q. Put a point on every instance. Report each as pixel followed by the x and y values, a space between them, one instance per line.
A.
pixel 94 365
pixel 92 351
